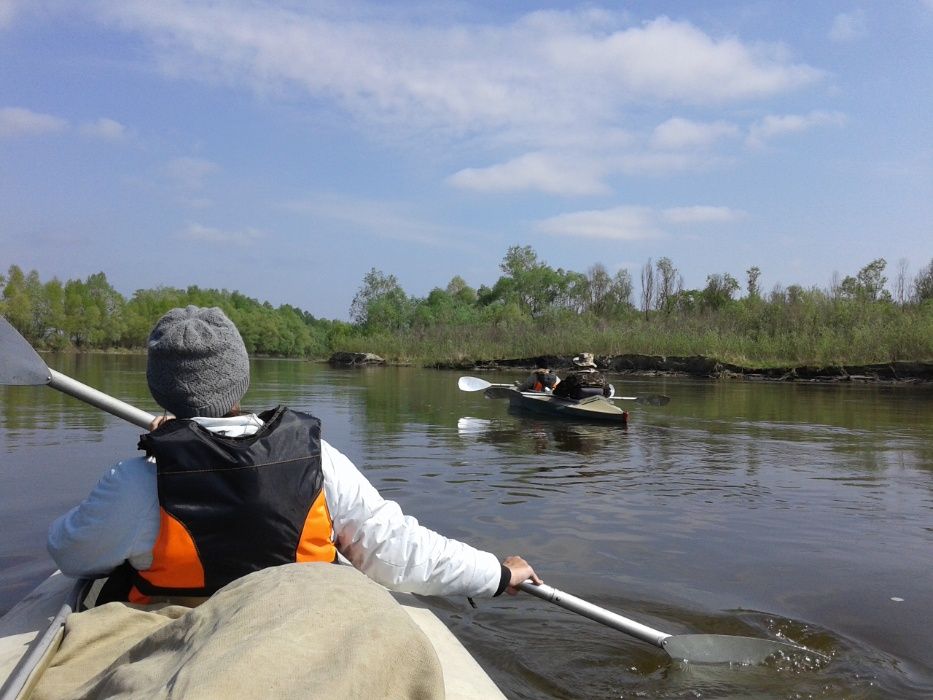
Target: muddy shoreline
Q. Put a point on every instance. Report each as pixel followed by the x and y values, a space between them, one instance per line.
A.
pixel 902 371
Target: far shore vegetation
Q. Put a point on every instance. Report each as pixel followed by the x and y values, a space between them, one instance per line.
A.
pixel 532 309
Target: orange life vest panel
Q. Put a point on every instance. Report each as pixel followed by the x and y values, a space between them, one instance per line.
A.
pixel 231 506
pixel 544 380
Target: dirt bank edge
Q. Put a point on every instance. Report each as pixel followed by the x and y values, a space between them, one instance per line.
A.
pixel 914 371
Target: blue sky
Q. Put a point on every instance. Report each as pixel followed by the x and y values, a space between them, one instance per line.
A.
pixel 284 149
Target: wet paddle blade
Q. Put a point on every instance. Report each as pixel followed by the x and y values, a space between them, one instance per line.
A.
pixel 693 648
pixel 472 384
pixel 727 649
pixel 19 363
pixel 493 391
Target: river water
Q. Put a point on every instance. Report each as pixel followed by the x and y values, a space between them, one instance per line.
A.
pixel 790 511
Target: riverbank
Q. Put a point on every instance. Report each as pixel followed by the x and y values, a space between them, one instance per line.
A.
pixel 699 366
pixel 696 366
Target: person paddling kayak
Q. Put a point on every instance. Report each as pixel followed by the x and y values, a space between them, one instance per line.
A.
pixel 221 493
pixel 542 379
pixel 585 380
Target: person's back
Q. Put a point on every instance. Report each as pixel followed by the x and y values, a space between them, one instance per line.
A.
pixel 584 381
pixel 161 515
pixel 541 379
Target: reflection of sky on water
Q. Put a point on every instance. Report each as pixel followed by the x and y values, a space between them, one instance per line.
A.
pixel 529 435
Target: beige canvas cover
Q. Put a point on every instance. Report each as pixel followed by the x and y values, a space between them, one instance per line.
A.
pixel 294 631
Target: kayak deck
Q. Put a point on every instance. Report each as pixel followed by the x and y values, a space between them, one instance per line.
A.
pixel 593 408
pixel 32 631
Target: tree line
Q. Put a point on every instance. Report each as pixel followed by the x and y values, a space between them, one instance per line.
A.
pixel 530 288
pixel 91 314
pixel 535 309
pixel 531 309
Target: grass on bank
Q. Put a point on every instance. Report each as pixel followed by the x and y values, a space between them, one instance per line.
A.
pixel 845 337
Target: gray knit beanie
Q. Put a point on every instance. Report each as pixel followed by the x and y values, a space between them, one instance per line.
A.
pixel 198 364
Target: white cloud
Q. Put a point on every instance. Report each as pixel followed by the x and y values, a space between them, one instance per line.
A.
pixel 190 173
pixel 633 223
pixel 533 85
pixel 677 133
pixel 701 215
pixel 536 171
pixel 627 223
pixel 207 234
pixel 778 125
pixel 553 69
pixel 16 121
pixel 583 173
pixel 106 129
pixel 848 26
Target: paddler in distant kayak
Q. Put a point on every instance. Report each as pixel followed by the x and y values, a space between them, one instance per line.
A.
pixel 584 381
pixel 542 379
pixel 221 493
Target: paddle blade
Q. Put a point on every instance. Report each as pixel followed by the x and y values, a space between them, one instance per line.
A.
pixel 472 384
pixel 727 649
pixel 19 363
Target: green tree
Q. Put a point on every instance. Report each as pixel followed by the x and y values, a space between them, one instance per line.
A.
pixel 380 303
pixel 109 303
pixel 518 261
pixel 754 290
pixel 923 284
pixel 647 287
pixel 18 303
pixel 666 283
pixel 461 291
pixel 53 311
pixel 719 290
pixel 607 296
pixel 82 317
pixel 621 291
pixel 533 285
pixel 868 284
pixel 598 287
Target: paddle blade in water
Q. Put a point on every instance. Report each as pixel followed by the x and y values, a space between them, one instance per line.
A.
pixel 655 400
pixel 19 363
pixel 726 649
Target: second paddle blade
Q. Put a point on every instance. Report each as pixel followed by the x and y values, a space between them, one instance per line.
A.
pixel 727 649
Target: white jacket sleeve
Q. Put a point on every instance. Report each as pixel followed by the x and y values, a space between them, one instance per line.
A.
pixel 119 520
pixel 392 548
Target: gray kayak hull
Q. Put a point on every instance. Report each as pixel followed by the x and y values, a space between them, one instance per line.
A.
pixel 594 408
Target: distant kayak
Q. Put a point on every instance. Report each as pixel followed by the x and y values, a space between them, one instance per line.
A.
pixel 592 408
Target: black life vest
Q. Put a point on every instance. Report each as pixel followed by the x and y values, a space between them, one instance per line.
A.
pixel 231 506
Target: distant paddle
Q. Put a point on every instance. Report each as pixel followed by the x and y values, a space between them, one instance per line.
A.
pixel 499 391
pixel 477 384
pixel 21 365
pixel 693 648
